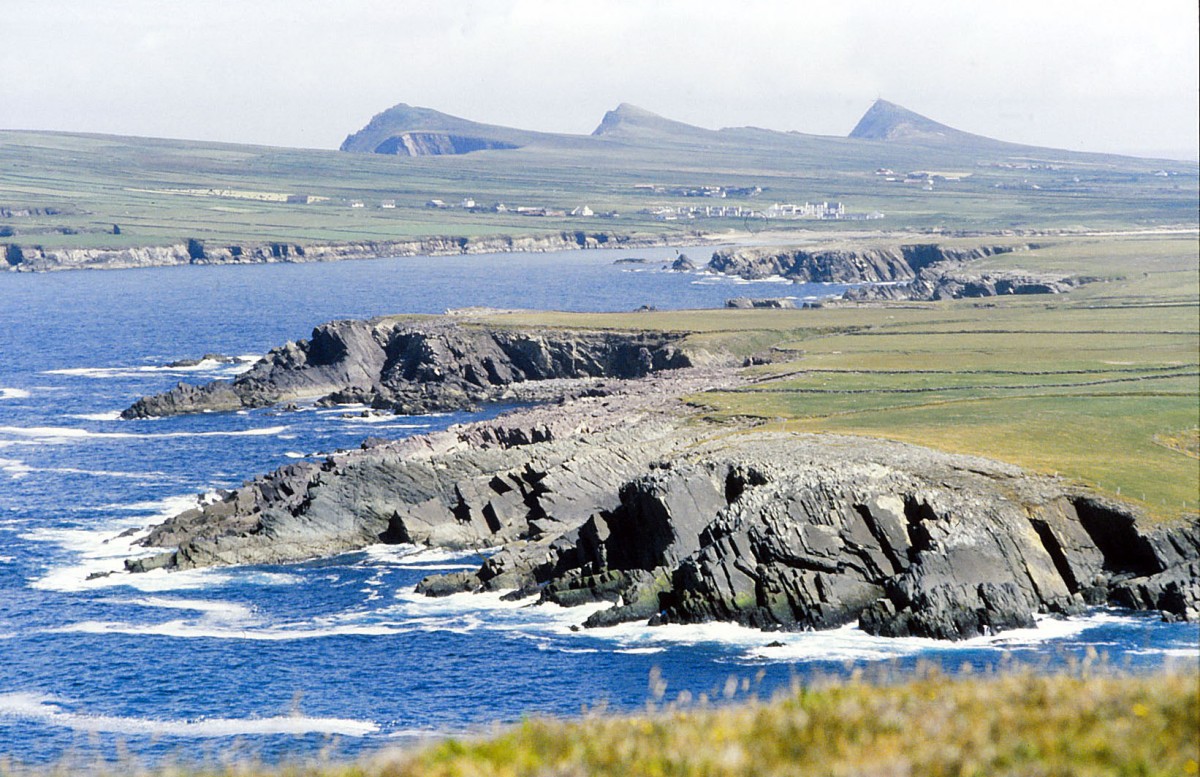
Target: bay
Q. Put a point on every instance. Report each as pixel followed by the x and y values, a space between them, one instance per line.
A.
pixel 333 655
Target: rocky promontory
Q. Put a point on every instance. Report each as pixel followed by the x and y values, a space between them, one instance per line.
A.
pixel 908 272
pixel 420 366
pixel 841 265
pixel 620 493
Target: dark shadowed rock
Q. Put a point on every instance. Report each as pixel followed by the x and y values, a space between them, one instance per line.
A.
pixel 777 303
pixel 683 264
pixel 420 367
pixel 620 499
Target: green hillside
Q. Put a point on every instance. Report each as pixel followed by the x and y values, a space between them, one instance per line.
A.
pixel 69 190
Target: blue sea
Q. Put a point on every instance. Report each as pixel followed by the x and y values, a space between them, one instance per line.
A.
pixel 338 655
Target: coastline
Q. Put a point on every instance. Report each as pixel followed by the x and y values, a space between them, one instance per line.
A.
pixel 196 252
pixel 619 491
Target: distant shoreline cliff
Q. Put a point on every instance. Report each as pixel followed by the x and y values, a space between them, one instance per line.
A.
pixel 21 258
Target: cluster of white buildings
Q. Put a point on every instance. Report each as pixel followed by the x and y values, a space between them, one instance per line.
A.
pixel 778 210
pixel 468 203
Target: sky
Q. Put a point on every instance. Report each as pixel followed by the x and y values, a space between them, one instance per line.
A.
pixel 1089 75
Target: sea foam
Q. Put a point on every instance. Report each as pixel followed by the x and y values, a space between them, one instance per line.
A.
pixel 63 434
pixel 49 710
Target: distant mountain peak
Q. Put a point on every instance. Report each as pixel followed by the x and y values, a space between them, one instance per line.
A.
pixel 888 121
pixel 627 118
pixel 409 130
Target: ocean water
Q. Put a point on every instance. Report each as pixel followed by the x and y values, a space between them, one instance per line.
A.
pixel 333 655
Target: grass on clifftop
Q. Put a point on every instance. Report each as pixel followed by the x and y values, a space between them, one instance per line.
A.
pixel 1100 385
pixel 932 726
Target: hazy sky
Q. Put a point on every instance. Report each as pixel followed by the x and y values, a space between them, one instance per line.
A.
pixel 1100 75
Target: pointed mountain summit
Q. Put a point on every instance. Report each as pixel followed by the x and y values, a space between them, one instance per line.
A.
pixel 408 130
pixel 631 121
pixel 887 121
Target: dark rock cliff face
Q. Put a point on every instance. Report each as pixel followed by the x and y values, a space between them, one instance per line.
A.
pixel 620 498
pixel 956 280
pixel 419 367
pixel 911 272
pixel 836 265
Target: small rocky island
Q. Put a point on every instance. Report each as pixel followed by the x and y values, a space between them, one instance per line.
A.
pixel 617 491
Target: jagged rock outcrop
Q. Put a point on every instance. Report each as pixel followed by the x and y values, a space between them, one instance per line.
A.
pixel 420 366
pixel 797 532
pixel 522 478
pixel 777 303
pixel 616 495
pixel 683 264
pixel 842 265
pixel 910 272
pixel 956 280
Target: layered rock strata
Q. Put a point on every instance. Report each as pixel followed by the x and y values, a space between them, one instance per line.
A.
pixel 620 495
pixel 955 280
pixel 842 265
pixel 420 366
pixel 33 258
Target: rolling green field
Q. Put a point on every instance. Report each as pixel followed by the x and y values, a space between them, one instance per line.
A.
pixel 69 190
pixel 1100 385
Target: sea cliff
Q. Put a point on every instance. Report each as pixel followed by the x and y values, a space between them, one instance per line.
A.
pixel 906 272
pixel 420 366
pixel 34 258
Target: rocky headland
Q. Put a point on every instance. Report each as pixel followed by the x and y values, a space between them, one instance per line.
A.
pixel 420 366
pixel 908 272
pixel 618 492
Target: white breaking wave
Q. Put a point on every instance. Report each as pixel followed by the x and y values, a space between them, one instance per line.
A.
pixel 13 393
pixel 48 710
pixel 187 630
pixel 210 366
pixel 19 469
pixel 408 554
pixel 467 612
pixel 213 609
pixel 108 415
pixel 105 547
pixel 62 434
pixel 15 468
pixel 847 643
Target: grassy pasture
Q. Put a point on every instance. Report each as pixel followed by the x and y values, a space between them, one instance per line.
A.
pixel 1101 385
pixel 149 188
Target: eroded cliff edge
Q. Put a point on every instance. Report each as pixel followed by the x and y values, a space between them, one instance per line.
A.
pixel 420 366
pixel 906 272
pixel 35 258
pixel 621 494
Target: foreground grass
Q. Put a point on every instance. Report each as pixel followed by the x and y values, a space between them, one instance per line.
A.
pixel 933 725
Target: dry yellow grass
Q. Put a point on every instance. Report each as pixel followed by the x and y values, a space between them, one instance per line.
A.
pixel 934 725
